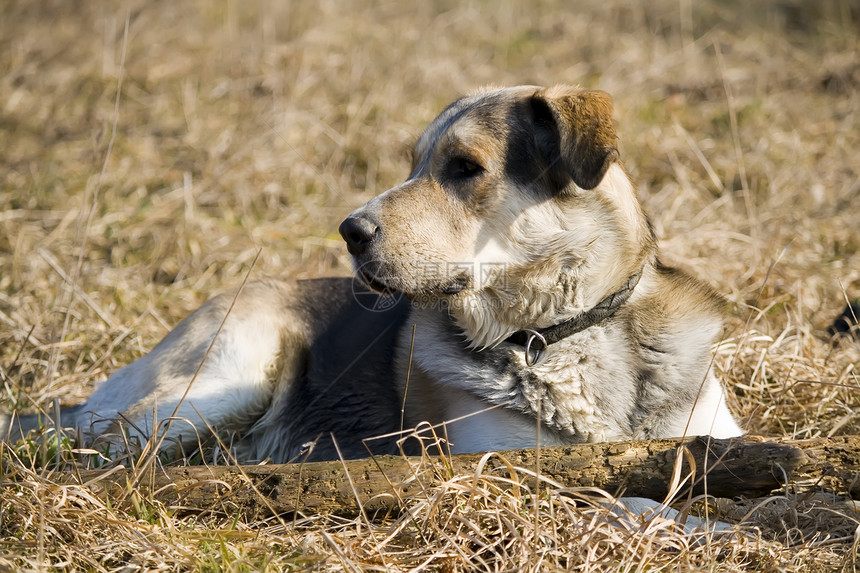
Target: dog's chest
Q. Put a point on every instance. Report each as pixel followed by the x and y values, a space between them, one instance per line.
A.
pixel 581 388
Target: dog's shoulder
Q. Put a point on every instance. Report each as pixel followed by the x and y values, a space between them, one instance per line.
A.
pixel 682 293
pixel 670 305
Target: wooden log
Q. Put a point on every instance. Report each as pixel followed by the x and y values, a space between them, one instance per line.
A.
pixel 725 468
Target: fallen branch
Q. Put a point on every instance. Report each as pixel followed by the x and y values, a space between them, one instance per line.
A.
pixel 726 468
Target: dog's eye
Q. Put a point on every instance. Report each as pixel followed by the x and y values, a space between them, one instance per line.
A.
pixel 462 168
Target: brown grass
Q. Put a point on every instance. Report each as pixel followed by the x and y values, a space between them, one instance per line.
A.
pixel 151 149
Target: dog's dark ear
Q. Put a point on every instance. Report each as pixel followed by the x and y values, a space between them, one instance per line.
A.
pixel 575 133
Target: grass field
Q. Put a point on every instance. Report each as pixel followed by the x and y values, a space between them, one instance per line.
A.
pixel 150 152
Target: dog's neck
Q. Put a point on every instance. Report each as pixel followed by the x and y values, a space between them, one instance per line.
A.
pixel 488 318
pixel 535 340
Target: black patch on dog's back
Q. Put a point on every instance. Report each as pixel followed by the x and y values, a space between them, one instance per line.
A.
pixel 345 389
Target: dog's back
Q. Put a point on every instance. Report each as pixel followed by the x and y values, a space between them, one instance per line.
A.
pixel 341 384
pixel 276 369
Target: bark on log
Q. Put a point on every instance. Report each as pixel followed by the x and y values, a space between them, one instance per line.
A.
pixel 727 468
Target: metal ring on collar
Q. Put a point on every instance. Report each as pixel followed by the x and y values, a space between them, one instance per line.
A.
pixel 534 335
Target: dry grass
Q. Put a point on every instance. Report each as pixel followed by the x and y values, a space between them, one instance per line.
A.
pixel 151 149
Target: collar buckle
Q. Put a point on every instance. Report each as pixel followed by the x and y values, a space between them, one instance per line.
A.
pixel 534 335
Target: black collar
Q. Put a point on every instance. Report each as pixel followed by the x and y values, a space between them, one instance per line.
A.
pixel 538 339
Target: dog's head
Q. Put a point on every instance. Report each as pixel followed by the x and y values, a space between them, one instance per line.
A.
pixel 516 213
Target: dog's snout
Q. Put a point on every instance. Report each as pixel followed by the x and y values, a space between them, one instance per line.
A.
pixel 358 232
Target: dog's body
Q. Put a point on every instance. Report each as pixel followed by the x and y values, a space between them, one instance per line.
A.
pixel 532 291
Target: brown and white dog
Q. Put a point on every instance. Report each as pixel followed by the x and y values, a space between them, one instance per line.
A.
pixel 514 281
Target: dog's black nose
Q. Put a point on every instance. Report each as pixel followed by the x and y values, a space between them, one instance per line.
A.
pixel 358 232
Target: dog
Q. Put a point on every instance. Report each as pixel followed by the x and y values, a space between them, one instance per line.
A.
pixel 508 291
